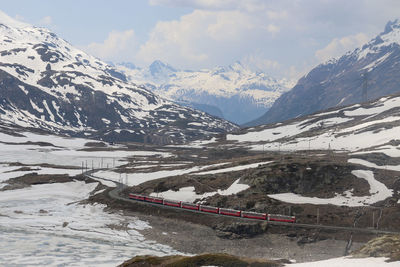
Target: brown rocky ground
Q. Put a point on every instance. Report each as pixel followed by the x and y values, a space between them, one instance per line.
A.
pixel 312 174
pixel 195 233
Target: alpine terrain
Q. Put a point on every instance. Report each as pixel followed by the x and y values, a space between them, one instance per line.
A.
pixel 47 83
pixel 365 73
pixel 235 92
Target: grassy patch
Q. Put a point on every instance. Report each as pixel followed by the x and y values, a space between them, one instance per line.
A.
pixel 384 246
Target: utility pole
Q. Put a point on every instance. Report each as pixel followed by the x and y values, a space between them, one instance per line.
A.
pixel 365 87
pixel 317 215
pixel 373 219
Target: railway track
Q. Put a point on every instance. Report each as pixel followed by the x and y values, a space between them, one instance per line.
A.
pixel 115 194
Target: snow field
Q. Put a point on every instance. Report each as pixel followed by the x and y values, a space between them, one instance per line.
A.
pixel 81 232
pixel 231 169
pixel 188 194
pixel 378 192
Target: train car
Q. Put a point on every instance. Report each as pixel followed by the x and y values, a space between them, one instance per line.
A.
pixel 209 209
pixel 172 203
pixel 254 215
pixel 189 206
pixel 281 218
pixel 157 200
pixel 136 197
pixel 230 212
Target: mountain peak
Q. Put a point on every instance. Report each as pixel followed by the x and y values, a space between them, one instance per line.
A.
pixel 390 35
pixel 158 67
pixel 391 26
pixel 237 65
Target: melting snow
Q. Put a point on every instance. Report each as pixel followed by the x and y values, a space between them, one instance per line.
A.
pixel 373 165
pixel 43 224
pixel 188 194
pixel 232 169
pixel 378 192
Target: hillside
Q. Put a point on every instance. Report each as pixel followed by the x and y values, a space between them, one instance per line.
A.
pixel 366 73
pixel 47 83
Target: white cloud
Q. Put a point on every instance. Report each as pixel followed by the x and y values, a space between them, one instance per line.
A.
pixel 258 63
pixel 339 46
pixel 46 21
pixel 228 26
pixel 173 41
pixel 205 38
pixel 285 38
pixel 188 39
pixel 118 46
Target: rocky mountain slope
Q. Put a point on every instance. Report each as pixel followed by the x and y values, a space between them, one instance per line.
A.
pixel 47 83
pixel 234 92
pixel 366 73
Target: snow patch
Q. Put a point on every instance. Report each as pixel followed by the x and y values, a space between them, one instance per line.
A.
pixel 188 194
pixel 378 192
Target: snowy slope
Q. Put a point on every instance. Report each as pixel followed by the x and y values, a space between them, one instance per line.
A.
pixel 47 83
pixel 366 73
pixel 373 126
pixel 239 93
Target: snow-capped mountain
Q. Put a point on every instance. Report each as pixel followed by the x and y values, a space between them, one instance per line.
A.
pixel 368 72
pixel 47 83
pixel 234 92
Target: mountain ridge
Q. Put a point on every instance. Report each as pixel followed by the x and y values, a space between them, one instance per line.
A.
pixel 239 93
pixel 342 81
pixel 47 83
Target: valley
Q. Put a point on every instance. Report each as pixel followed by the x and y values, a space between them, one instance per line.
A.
pixel 322 187
pixel 84 145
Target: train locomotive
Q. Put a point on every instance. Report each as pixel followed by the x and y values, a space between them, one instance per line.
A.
pixel 214 210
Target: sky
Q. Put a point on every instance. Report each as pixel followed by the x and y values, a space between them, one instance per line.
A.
pixel 284 38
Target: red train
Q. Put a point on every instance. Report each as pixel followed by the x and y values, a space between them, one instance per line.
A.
pixel 215 210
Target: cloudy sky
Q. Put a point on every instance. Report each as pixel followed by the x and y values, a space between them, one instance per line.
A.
pixel 284 38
